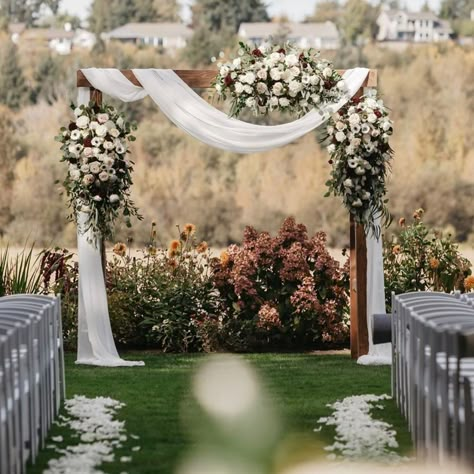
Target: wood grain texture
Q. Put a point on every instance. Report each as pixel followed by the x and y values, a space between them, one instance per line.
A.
pixel 200 79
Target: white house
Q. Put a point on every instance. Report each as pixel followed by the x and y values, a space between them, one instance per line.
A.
pixel 418 27
pixel 317 35
pixel 84 39
pixel 169 36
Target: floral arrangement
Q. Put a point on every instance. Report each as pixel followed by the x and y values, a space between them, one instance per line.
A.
pixel 360 156
pixel 278 78
pixel 282 292
pixel 419 258
pixel 95 146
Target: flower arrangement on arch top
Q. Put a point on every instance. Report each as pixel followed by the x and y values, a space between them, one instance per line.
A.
pixel 276 77
pixel 95 147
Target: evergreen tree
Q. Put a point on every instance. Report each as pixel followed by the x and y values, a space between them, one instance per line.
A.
pixel 219 15
pixel 167 10
pixel 13 89
pixel 46 80
pixel 456 9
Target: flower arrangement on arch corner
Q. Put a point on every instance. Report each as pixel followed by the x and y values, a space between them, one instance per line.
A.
pixel 360 156
pixel 95 147
pixel 275 77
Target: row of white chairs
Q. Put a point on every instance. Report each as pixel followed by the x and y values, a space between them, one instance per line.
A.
pixel 32 384
pixel 433 372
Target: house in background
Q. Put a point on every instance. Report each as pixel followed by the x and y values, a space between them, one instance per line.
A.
pixel 412 27
pixel 306 35
pixel 169 36
pixel 84 39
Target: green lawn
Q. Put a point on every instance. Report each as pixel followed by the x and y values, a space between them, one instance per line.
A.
pixel 300 386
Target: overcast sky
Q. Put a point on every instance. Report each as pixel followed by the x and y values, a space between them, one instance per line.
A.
pixel 294 9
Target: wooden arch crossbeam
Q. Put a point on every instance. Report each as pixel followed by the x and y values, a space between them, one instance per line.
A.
pixel 202 79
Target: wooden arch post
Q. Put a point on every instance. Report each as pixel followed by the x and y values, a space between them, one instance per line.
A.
pixel 359 336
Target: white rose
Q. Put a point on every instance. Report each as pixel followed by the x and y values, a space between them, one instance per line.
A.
pixel 77 112
pixel 372 118
pixel 95 151
pixel 250 102
pixel 331 148
pixel 262 88
pixel 75 175
pixel 366 196
pixel 250 77
pixel 295 71
pixel 359 171
pixel 284 102
pixel 341 85
pixel 275 74
pixel 355 142
pixel 357 203
pixel 114 132
pixel 340 136
pixel 316 98
pixel 82 121
pixel 85 168
pixel 88 179
pixel 102 118
pixel 277 88
pixel 386 126
pixel 109 124
pixel 114 198
pixel 274 101
pixel 97 198
pixel 314 80
pixel 108 161
pixel 291 60
pixel 327 72
pixel 262 74
pixel 109 145
pixel 330 130
pixel 348 183
pixel 237 62
pixel 88 152
pixel 340 125
pixel 120 122
pixel 275 57
pixel 305 79
pixel 354 119
pixel 104 176
pixel 248 89
pixel 239 87
pixel 94 167
pixel 218 88
pixel 295 86
pixel 286 75
pixel 93 125
pixel 224 70
pixel 101 131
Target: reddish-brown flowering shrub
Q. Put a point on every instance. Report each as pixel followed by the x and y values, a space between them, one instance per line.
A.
pixel 283 292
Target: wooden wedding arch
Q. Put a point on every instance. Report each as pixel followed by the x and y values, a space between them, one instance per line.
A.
pixel 359 336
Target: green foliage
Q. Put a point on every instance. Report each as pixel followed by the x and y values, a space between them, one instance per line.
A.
pixel 19 272
pixel 13 89
pixel 456 9
pixel 326 10
pixel 421 259
pixel 358 21
pixel 46 79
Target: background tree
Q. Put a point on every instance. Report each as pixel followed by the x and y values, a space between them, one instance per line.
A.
pixel 326 10
pixel 358 21
pixel 46 79
pixel 21 11
pixel 13 89
pixel 10 152
pixel 456 9
pixel 167 10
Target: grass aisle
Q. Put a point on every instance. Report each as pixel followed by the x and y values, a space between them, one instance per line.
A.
pixel 301 385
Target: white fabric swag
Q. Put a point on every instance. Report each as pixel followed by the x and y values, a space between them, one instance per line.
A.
pixel 188 111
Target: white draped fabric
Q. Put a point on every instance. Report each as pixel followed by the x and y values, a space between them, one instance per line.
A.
pixel 95 345
pixel 190 112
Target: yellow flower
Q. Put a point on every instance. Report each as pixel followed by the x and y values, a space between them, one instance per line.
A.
pixel 469 283
pixel 120 249
pixel 434 263
pixel 202 247
pixel 190 229
pixel 151 250
pixel 396 249
pixel 224 258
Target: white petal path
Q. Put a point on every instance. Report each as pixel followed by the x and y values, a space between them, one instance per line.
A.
pixel 92 421
pixel 359 437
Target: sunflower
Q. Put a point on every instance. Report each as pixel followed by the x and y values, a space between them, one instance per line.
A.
pixel 189 229
pixel 120 249
pixel 469 283
pixel 202 247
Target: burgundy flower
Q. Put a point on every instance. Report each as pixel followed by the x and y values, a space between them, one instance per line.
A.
pixel 88 142
pixel 281 50
pixel 378 113
pixel 72 126
pixel 228 81
pixel 256 52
